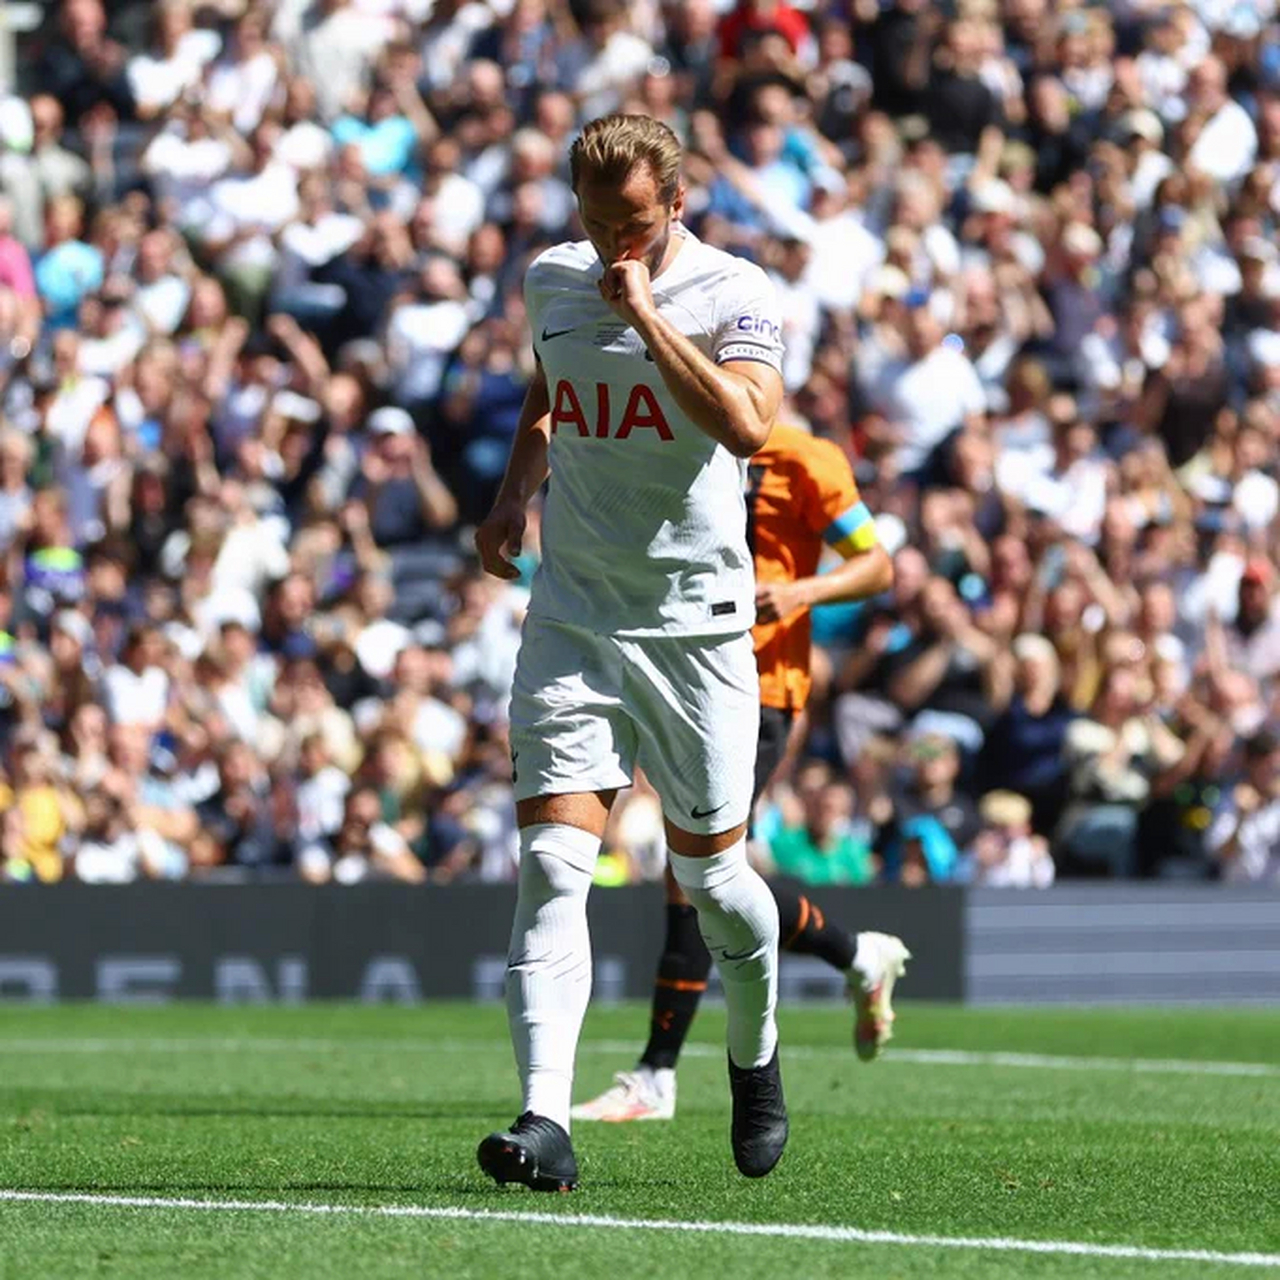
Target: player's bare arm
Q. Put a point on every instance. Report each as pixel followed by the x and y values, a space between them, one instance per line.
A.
pixel 500 537
pixel 735 403
pixel 862 574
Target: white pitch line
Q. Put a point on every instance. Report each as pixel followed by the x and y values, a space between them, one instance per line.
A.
pixel 1052 1062
pixel 785 1230
pixel 993 1058
pixel 917 1057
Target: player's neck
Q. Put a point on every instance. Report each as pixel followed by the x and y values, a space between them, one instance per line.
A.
pixel 674 244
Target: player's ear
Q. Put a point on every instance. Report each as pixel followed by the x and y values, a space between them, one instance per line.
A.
pixel 677 205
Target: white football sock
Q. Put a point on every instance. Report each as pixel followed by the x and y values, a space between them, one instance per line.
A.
pixel 549 962
pixel 738 919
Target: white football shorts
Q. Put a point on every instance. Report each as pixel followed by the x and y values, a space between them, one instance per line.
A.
pixel 587 708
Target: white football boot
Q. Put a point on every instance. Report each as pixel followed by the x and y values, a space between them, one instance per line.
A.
pixel 881 959
pixel 642 1094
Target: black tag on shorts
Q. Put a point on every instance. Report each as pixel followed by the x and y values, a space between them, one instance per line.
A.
pixel 723 609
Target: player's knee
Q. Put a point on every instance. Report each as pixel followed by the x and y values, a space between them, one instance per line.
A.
pixel 556 861
pixel 549 876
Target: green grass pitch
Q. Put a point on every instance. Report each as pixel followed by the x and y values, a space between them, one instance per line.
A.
pixel 343 1106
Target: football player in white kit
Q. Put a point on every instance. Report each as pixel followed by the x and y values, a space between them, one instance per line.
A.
pixel 658 375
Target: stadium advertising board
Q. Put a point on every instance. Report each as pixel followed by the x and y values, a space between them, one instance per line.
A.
pixel 266 943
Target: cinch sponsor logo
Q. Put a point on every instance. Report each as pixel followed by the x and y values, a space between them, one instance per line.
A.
pixel 642 412
pixel 759 324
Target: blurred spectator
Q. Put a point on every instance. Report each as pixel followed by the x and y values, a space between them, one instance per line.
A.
pixel 243 82
pixel 399 487
pixel 926 393
pixel 237 821
pixel 136 690
pixel 603 60
pixel 1252 639
pixel 944 673
pixel 1245 836
pixel 69 269
pixel 818 846
pixel 1024 748
pixel 363 847
pixel 321 791
pixel 1114 754
pixel 1225 140
pixel 933 819
pixel 48 170
pixel 175 62
pixel 333 46
pixel 36 814
pixel 1006 855
pixel 153 804
pixel 82 67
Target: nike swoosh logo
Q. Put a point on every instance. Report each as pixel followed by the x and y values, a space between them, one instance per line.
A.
pixel 698 814
pixel 739 955
pixel 558 333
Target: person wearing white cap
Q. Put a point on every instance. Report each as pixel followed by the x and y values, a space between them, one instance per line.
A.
pixel 401 489
pixel 389 421
pixel 1143 135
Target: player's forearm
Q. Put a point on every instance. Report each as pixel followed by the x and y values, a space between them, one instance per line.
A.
pixel 527 466
pixel 730 409
pixel 439 506
pixel 861 576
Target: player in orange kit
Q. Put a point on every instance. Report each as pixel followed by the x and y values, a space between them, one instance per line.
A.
pixel 801 497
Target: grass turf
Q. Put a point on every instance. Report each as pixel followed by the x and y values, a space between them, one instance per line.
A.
pixel 384 1106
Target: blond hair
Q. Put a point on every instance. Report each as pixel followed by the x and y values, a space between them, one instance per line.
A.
pixel 608 149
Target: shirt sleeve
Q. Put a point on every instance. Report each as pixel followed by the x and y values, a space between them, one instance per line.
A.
pixel 749 323
pixel 834 508
pixel 533 304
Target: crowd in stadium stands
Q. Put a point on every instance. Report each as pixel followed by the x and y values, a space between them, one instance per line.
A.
pixel 262 351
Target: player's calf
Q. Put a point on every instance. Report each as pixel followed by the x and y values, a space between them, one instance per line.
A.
pixel 683 968
pixel 739 923
pixel 805 929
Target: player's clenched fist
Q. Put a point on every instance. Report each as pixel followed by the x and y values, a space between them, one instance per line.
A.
pixel 627 288
pixel 499 539
pixel 777 601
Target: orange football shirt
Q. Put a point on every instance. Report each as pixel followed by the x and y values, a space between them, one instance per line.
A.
pixel 801 495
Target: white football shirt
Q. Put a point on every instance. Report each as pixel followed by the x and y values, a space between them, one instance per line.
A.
pixel 644 531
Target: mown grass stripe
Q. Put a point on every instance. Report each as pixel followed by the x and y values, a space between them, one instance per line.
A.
pixel 917 1057
pixel 785 1230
